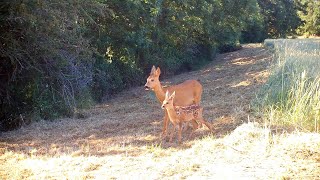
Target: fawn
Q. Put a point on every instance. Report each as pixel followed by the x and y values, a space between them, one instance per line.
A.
pixel 188 92
pixel 180 114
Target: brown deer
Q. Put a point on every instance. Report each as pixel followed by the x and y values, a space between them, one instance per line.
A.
pixel 188 92
pixel 181 114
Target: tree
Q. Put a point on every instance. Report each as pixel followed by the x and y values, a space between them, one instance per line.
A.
pixel 45 60
pixel 56 56
pixel 310 14
pixel 280 17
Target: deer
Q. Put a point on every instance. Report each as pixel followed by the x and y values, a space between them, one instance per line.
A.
pixel 181 114
pixel 189 92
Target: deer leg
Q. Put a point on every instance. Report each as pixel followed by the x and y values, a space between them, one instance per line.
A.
pixel 192 132
pixel 206 123
pixel 197 99
pixel 180 130
pixel 195 124
pixel 200 124
pixel 172 132
pixel 165 125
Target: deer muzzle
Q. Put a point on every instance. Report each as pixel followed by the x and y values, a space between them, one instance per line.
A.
pixel 147 88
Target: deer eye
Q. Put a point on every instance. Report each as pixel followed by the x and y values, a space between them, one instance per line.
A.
pixel 167 102
pixel 152 80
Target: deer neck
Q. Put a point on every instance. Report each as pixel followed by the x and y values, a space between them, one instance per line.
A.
pixel 158 90
pixel 172 113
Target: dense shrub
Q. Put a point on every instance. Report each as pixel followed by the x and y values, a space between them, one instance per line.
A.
pixel 310 15
pixel 58 56
pixel 45 60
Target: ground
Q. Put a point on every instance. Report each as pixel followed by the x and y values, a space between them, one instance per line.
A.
pixel 120 139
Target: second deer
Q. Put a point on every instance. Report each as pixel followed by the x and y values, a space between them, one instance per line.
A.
pixel 181 114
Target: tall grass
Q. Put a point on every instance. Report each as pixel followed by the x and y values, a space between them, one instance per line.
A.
pixel 291 96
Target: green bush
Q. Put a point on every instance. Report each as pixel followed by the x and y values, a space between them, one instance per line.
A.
pixel 112 77
pixel 310 14
pixel 45 61
pixel 59 56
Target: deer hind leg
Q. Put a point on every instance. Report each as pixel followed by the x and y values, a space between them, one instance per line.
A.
pixel 197 99
pixel 206 123
pixel 193 130
pixel 197 95
pixel 200 125
pixel 195 124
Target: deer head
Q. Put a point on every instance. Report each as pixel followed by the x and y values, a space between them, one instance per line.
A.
pixel 153 79
pixel 168 101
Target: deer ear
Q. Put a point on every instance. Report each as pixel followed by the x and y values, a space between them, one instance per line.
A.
pixel 173 95
pixel 167 94
pixel 158 71
pixel 153 70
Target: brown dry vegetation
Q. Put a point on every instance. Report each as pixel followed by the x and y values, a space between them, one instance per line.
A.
pixel 120 138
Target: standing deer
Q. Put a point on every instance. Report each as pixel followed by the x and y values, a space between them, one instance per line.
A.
pixel 188 92
pixel 180 114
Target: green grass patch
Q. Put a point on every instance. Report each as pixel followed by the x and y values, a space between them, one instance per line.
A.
pixel 291 96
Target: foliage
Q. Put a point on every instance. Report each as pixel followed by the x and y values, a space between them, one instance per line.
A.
pixel 57 56
pixel 310 14
pixel 255 30
pixel 45 60
pixel 273 19
pixel 280 17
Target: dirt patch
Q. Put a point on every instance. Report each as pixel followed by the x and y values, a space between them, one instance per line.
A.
pixel 121 137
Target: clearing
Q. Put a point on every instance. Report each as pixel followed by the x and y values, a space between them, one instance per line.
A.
pixel 119 139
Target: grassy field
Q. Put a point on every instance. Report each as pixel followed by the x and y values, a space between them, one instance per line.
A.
pixel 291 96
pixel 120 139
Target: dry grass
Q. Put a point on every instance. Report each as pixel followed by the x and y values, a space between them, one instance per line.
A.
pixel 291 96
pixel 119 139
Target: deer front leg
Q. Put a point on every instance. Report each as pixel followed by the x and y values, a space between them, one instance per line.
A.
pixel 165 125
pixel 172 132
pixel 179 133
